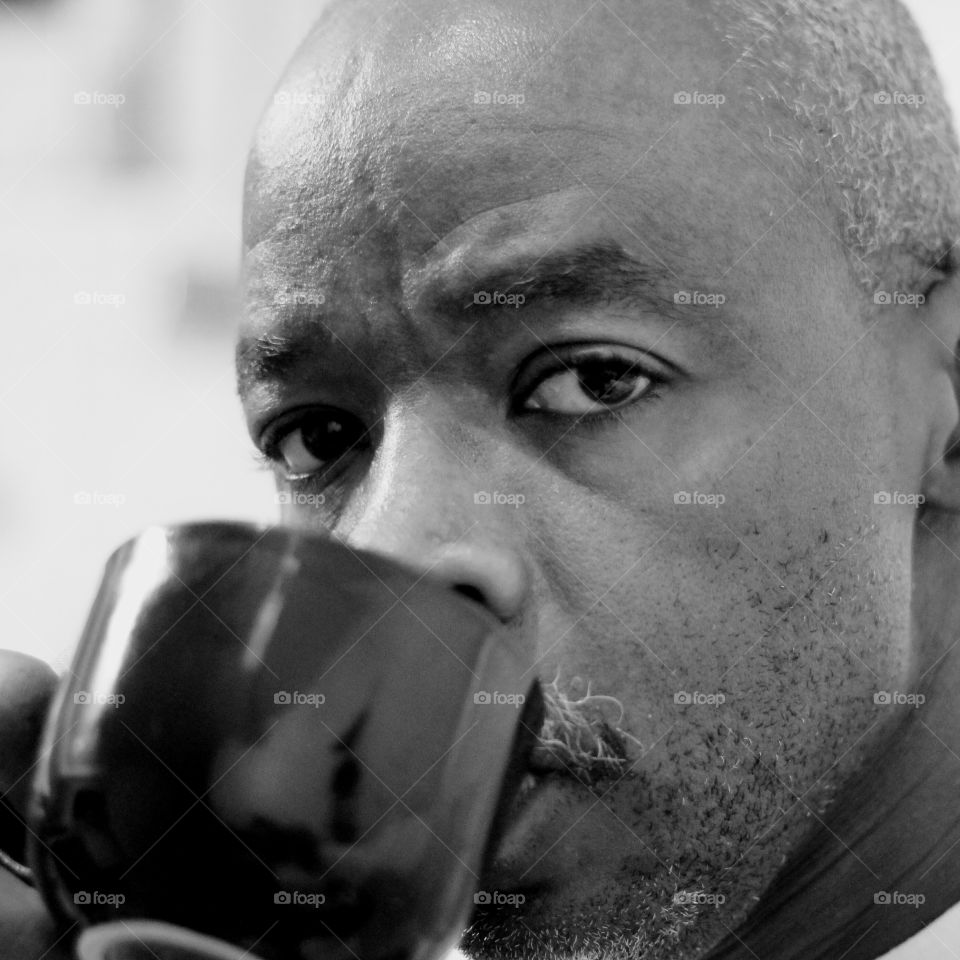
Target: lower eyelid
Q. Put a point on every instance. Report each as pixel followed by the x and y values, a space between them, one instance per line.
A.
pixel 600 421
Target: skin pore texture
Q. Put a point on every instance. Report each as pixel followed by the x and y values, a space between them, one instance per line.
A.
pixel 716 555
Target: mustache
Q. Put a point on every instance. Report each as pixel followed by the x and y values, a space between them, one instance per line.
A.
pixel 583 736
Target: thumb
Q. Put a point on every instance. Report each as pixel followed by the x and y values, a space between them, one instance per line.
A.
pixel 27 684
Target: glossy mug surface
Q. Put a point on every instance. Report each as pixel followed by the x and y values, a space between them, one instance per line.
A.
pixel 279 743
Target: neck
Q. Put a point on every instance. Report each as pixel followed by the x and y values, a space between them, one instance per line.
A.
pixel 894 830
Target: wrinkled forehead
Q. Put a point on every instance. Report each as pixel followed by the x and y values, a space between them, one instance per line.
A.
pixel 396 133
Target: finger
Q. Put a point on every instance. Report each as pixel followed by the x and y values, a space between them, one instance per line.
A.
pixel 27 932
pixel 26 687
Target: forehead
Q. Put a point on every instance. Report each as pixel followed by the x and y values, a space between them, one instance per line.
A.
pixel 402 126
pixel 453 133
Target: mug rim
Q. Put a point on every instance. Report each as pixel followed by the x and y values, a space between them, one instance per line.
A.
pixel 96 942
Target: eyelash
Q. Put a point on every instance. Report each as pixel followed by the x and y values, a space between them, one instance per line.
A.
pixel 267 457
pixel 568 354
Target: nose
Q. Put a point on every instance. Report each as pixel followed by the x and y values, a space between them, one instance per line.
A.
pixel 488 573
pixel 417 505
pixel 495 578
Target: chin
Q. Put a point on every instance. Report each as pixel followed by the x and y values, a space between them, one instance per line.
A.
pixel 613 922
pixel 571 880
pixel 619 870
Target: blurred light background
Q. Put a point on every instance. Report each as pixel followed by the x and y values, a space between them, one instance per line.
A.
pixel 119 245
pixel 125 127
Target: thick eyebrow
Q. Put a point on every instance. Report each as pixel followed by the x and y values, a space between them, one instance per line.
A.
pixel 290 345
pixel 600 272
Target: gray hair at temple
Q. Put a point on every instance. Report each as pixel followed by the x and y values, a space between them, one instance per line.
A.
pixel 861 105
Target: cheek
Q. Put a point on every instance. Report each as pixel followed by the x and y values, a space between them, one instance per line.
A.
pixel 795 626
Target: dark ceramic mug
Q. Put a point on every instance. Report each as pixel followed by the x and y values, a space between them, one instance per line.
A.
pixel 270 745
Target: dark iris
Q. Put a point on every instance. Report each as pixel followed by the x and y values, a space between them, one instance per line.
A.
pixel 328 438
pixel 606 382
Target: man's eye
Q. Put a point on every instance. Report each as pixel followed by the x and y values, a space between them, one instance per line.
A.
pixel 312 441
pixel 590 381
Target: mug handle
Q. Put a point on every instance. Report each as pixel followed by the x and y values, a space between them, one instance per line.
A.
pixel 105 941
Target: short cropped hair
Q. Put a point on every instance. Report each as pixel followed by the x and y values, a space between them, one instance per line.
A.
pixel 858 96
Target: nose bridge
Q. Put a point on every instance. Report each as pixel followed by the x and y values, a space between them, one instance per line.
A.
pixel 422 503
pixel 418 478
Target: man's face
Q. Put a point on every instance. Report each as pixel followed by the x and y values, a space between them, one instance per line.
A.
pixel 510 251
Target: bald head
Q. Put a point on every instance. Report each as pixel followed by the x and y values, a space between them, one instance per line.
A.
pixel 842 99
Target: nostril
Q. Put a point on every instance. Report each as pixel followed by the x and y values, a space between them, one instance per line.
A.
pixel 495 578
pixel 468 590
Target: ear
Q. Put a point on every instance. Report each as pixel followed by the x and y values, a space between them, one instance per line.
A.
pixel 940 320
